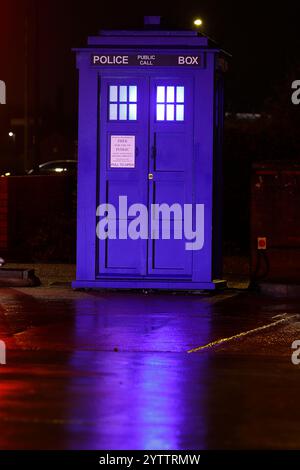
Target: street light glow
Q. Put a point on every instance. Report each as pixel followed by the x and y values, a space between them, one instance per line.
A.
pixel 198 22
pixel 11 134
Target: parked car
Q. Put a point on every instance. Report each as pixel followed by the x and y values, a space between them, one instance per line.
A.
pixel 55 167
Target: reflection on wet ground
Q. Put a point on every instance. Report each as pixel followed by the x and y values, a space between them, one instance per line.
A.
pixel 111 371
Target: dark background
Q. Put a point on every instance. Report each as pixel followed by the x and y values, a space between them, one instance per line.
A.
pixel 262 36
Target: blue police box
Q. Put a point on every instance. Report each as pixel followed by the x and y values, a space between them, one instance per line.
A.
pixel 149 162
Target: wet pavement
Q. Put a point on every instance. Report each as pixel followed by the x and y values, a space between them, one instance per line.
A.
pixel 94 370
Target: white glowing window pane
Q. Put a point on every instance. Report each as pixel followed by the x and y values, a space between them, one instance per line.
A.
pixel 113 93
pixel 123 94
pixel 132 112
pixel 113 112
pixel 160 112
pixel 179 112
pixel 180 94
pixel 170 112
pixel 133 94
pixel 170 94
pixel 160 94
pixel 123 112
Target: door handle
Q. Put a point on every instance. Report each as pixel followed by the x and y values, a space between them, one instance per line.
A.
pixel 150 176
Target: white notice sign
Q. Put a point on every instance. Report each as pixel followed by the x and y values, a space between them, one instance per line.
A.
pixel 122 151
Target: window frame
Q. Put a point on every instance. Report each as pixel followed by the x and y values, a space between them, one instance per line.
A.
pixel 170 99
pixel 124 104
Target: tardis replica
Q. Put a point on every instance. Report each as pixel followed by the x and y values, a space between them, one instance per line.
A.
pixel 149 164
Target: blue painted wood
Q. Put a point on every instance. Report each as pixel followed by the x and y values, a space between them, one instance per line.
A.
pixel 172 284
pixel 203 174
pixel 123 256
pixel 182 156
pixel 87 174
pixel 171 166
pixel 147 40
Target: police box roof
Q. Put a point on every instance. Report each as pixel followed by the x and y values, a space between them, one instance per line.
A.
pixel 153 35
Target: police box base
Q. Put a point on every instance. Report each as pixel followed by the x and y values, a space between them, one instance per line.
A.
pixel 150 284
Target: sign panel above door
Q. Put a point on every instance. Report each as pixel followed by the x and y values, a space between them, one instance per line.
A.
pixel 167 60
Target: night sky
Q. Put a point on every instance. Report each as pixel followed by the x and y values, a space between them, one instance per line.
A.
pixel 262 36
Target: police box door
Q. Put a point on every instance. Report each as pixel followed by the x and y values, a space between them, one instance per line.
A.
pixel 146 154
pixel 170 173
pixel 124 115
